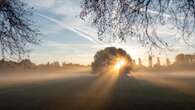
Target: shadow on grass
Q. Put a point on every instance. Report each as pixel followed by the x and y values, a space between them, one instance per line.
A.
pixel 96 93
pixel 130 93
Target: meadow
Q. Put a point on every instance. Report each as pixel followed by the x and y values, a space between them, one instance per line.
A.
pixel 138 91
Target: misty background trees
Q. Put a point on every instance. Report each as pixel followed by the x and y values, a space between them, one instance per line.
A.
pixel 185 58
pixel 182 62
pixel 17 30
pixel 27 66
pixel 140 19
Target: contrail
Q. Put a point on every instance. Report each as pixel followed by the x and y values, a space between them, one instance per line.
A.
pixel 82 34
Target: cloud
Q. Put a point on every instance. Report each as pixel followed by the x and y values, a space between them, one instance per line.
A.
pixel 41 3
pixel 65 14
pixel 73 29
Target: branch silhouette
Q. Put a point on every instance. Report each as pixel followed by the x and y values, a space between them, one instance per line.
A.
pixel 139 19
pixel 17 30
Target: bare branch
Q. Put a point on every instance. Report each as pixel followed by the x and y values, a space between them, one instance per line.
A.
pixel 140 18
pixel 17 30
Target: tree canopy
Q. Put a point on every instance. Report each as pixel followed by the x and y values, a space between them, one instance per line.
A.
pixel 106 58
pixel 140 18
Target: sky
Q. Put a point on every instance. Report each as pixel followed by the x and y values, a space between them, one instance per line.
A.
pixel 67 38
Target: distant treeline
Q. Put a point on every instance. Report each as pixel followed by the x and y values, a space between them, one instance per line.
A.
pixel 28 65
pixel 183 62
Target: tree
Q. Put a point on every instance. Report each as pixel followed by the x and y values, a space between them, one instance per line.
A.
pixel 55 64
pixel 189 58
pixel 140 62
pixel 17 30
pixel 140 19
pixel 27 64
pixel 150 61
pixel 108 57
pixel 180 59
pixel 168 62
pixel 158 61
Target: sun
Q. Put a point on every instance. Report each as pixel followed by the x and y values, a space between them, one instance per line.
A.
pixel 119 64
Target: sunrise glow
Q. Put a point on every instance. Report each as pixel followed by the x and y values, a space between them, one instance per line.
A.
pixel 119 64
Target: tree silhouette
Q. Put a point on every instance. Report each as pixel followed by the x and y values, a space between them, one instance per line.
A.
pixel 185 58
pixel 107 57
pixel 17 30
pixel 168 62
pixel 180 59
pixel 140 19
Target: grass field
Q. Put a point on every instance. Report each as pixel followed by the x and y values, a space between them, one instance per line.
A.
pixel 149 91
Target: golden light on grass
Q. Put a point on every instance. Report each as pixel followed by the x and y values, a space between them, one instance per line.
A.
pixel 104 85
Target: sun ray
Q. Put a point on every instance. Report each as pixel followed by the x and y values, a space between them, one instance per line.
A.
pixel 119 64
